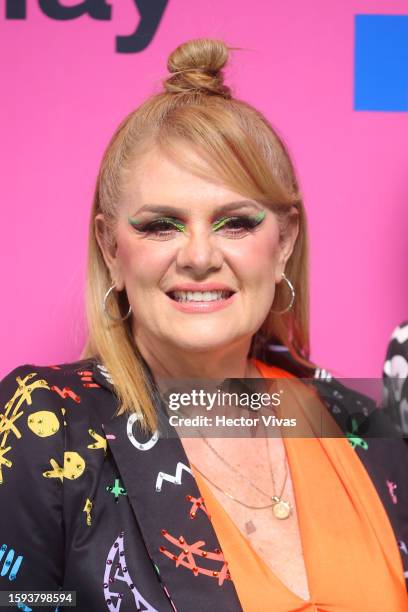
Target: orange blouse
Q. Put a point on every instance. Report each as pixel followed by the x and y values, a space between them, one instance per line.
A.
pixel 351 555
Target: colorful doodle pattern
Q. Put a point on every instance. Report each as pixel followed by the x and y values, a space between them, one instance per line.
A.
pixel 176 479
pixel 43 423
pixel 142 446
pixel 116 489
pixel 88 509
pixel 116 571
pixel 73 468
pixel 186 557
pixel 11 563
pixel 12 413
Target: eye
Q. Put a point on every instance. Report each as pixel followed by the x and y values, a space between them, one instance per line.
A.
pixel 161 228
pixel 164 228
pixel 236 226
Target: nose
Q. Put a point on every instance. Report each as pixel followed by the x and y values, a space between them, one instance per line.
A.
pixel 200 252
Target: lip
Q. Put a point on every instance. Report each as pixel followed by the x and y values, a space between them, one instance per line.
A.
pixel 200 287
pixel 201 307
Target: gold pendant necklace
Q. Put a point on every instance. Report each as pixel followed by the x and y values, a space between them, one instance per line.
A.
pixel 281 508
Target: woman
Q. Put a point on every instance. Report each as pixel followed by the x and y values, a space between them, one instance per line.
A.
pixel 197 269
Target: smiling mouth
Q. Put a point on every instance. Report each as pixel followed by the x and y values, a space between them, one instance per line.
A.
pixel 198 296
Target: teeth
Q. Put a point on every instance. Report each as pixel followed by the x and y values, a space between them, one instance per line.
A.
pixel 200 296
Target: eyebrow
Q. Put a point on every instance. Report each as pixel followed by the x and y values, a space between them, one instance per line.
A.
pixel 171 210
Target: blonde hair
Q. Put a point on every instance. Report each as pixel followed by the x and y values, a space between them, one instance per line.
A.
pixel 239 147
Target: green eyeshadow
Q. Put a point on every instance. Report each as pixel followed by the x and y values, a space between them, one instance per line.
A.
pixel 260 216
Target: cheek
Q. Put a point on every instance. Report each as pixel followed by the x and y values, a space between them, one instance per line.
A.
pixel 127 256
pixel 256 257
pixel 142 260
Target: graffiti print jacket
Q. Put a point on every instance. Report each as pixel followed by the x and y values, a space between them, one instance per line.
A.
pixel 89 505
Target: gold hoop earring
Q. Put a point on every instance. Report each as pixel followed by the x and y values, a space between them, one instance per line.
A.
pixel 105 310
pixel 292 297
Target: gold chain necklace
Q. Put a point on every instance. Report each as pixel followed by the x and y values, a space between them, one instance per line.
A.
pixel 281 508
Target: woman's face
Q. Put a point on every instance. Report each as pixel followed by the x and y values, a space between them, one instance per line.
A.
pixel 202 238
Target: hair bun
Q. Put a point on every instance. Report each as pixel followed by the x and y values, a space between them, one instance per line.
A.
pixel 196 65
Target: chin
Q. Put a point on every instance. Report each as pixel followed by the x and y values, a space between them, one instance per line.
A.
pixel 201 343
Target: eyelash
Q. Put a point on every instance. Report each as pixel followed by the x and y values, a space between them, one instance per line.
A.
pixel 247 223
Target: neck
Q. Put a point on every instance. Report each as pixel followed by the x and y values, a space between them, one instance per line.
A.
pixel 169 362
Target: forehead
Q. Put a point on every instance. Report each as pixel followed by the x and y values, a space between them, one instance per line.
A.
pixel 158 179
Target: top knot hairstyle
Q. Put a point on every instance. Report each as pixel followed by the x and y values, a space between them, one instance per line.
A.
pixel 237 147
pixel 197 66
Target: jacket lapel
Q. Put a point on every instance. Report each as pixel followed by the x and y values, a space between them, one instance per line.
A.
pixel 170 512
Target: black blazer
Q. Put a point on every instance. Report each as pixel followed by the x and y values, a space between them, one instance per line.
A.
pixel 89 505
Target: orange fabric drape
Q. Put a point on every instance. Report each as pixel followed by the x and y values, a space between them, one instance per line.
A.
pixel 351 555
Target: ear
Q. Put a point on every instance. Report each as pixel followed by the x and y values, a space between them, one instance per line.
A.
pixel 107 244
pixel 287 243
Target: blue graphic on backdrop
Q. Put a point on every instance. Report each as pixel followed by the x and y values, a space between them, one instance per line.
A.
pixel 381 63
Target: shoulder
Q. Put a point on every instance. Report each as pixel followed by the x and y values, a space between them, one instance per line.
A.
pixel 51 383
pixel 51 418
pixel 351 403
pixel 82 375
pixel 71 392
pixel 35 395
pixel 53 371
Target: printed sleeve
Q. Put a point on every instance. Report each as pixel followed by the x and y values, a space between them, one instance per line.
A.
pixel 31 479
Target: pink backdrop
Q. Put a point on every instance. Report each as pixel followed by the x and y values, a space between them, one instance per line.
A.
pixel 64 91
